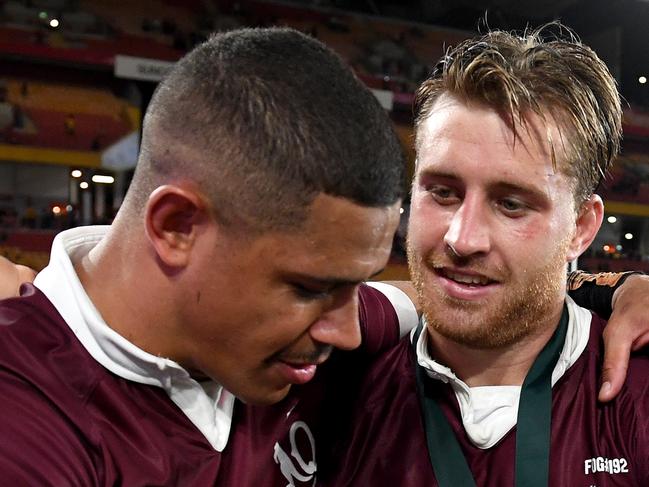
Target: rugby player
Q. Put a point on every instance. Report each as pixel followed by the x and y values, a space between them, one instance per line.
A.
pixel 499 386
pixel 268 188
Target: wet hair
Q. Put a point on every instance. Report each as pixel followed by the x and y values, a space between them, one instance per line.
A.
pixel 548 72
pixel 262 121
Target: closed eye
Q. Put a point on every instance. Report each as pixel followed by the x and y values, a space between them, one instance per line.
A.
pixel 310 293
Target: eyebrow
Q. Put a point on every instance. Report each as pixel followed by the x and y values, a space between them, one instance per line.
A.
pixel 432 173
pixel 517 187
pixel 520 188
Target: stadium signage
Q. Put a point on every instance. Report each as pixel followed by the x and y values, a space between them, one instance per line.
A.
pixel 140 68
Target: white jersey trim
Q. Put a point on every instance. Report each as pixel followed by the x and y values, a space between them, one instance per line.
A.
pixel 208 405
pixel 403 306
pixel 490 412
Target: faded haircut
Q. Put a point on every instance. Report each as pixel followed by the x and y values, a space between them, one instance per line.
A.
pixel 262 121
pixel 548 72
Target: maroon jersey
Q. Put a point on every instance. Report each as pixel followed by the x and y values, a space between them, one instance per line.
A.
pixel 67 421
pixel 592 444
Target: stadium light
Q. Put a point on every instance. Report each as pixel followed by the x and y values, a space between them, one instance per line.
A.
pixel 102 179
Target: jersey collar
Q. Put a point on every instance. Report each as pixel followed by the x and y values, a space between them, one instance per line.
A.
pixel 208 405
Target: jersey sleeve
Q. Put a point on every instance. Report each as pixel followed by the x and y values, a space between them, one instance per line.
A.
pixel 38 446
pixel 385 314
pixel 595 291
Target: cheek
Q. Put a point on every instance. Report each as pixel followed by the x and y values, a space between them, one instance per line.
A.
pixel 427 226
pixel 529 234
pixel 538 229
pixel 284 321
pixel 534 242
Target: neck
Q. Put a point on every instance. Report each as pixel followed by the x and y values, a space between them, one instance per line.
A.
pixel 124 289
pixel 507 365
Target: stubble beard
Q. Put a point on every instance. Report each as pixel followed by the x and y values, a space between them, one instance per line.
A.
pixel 522 311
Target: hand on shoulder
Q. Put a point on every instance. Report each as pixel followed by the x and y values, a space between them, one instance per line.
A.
pixel 12 276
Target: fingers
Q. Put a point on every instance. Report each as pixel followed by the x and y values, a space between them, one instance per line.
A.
pixel 12 276
pixel 614 370
pixel 621 336
pixel 627 329
pixel 641 342
pixel 25 274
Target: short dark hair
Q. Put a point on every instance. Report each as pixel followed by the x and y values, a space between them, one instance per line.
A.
pixel 546 72
pixel 263 120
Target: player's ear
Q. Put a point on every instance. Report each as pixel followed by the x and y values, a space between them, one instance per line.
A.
pixel 589 219
pixel 173 218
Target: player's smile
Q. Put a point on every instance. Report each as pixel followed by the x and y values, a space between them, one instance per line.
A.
pixel 464 285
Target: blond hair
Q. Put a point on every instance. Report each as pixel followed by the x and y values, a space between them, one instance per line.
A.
pixel 557 77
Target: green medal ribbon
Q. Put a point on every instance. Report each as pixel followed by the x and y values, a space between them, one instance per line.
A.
pixel 532 430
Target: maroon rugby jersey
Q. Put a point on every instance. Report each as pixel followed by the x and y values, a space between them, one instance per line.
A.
pixel 592 444
pixel 67 421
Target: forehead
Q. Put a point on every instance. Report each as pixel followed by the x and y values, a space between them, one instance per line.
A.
pixel 340 240
pixel 464 136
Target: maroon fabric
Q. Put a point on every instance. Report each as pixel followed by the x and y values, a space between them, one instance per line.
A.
pixel 67 421
pixel 386 446
pixel 378 319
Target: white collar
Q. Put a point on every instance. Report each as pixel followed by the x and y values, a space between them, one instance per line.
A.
pixel 208 406
pixel 489 412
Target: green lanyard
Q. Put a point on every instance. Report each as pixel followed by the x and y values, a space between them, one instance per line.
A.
pixel 532 430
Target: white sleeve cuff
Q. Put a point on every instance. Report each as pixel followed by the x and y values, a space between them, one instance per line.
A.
pixel 403 306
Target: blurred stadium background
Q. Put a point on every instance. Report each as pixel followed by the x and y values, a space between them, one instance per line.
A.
pixel 76 77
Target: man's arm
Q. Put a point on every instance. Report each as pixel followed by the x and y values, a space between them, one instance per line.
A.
pixel 627 329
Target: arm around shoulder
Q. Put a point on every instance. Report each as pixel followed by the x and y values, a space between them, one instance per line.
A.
pixel 12 276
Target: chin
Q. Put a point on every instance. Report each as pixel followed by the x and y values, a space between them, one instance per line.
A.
pixel 271 397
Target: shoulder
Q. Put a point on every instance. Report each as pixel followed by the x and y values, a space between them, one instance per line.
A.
pixel 385 314
pixel 637 381
pixel 40 443
pixel 390 375
pixel 32 306
pixel 631 406
pixel 37 344
pixel 628 414
pixel 34 338
pixel 44 377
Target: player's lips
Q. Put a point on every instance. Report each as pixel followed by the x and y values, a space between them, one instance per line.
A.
pixel 464 284
pixel 299 372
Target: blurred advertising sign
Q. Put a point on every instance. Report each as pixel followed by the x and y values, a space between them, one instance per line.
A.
pixel 142 69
